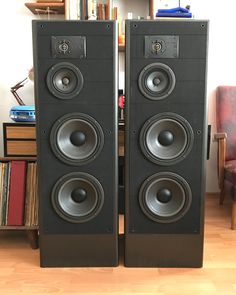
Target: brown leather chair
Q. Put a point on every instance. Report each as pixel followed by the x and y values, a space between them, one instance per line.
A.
pixel 226 137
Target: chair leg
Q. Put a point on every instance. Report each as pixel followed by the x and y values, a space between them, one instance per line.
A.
pixel 222 195
pixel 233 216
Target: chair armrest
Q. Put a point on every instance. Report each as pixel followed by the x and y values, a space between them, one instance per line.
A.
pixel 221 139
pixel 218 136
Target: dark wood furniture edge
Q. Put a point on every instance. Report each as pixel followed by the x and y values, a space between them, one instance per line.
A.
pixel 33 238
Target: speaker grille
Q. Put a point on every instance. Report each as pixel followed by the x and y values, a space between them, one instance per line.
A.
pixel 166 138
pixel 76 138
pixel 77 197
pixel 156 81
pixel 165 197
pixel 64 80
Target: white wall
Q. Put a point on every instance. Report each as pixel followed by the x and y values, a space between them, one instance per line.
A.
pixel 15 55
pixel 221 62
pixel 16 58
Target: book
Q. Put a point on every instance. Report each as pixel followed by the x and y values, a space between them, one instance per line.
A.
pixel 36 201
pixel 73 10
pixel 101 11
pixel 28 197
pixel 32 207
pixel 92 9
pixel 31 201
pixel 17 193
pixel 84 9
pixel 110 9
pixel 7 187
pixel 115 13
pixel 67 9
pixel 2 167
pixel 5 192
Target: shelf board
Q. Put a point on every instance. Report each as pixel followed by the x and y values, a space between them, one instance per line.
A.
pixel 44 8
pixel 25 158
pixel 18 227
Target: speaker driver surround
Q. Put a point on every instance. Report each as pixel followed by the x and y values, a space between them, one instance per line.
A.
pixel 76 138
pixel 156 81
pixel 165 197
pixel 64 80
pixel 166 138
pixel 77 197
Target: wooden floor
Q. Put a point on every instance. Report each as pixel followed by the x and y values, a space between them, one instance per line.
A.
pixel 20 272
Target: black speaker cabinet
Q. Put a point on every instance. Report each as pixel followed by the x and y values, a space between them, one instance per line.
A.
pixel 75 64
pixel 166 133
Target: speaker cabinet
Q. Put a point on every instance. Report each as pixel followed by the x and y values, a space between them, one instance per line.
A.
pixel 75 67
pixel 166 132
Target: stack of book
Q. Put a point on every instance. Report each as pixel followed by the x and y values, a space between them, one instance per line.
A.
pixel 18 193
pixel 90 10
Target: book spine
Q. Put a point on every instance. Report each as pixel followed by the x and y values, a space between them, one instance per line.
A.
pixel 115 13
pixel 92 9
pixel 1 189
pixel 36 200
pixel 28 195
pixel 17 193
pixel 78 8
pixel 73 9
pixel 84 10
pixel 67 9
pixel 5 193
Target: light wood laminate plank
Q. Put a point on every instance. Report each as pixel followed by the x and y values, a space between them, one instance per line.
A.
pixel 20 272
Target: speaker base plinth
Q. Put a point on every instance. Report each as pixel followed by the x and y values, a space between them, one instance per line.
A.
pixel 78 250
pixel 164 250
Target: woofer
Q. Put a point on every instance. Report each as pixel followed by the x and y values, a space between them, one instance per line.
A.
pixel 166 138
pixel 76 138
pixel 64 80
pixel 77 197
pixel 156 81
pixel 165 197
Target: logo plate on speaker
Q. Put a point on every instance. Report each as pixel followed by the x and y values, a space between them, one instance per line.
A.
pixel 161 46
pixel 68 46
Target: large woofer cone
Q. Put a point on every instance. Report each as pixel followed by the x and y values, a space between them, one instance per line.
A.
pixel 77 197
pixel 76 138
pixel 156 81
pixel 166 138
pixel 64 80
pixel 165 197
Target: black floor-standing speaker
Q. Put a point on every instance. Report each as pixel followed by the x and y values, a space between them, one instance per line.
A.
pixel 166 135
pixel 75 65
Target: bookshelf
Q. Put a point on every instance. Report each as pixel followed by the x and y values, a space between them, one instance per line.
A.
pixel 60 7
pixel 5 224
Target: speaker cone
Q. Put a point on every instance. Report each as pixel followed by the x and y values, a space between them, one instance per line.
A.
pixel 166 138
pixel 64 80
pixel 165 197
pixel 156 81
pixel 77 197
pixel 76 138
